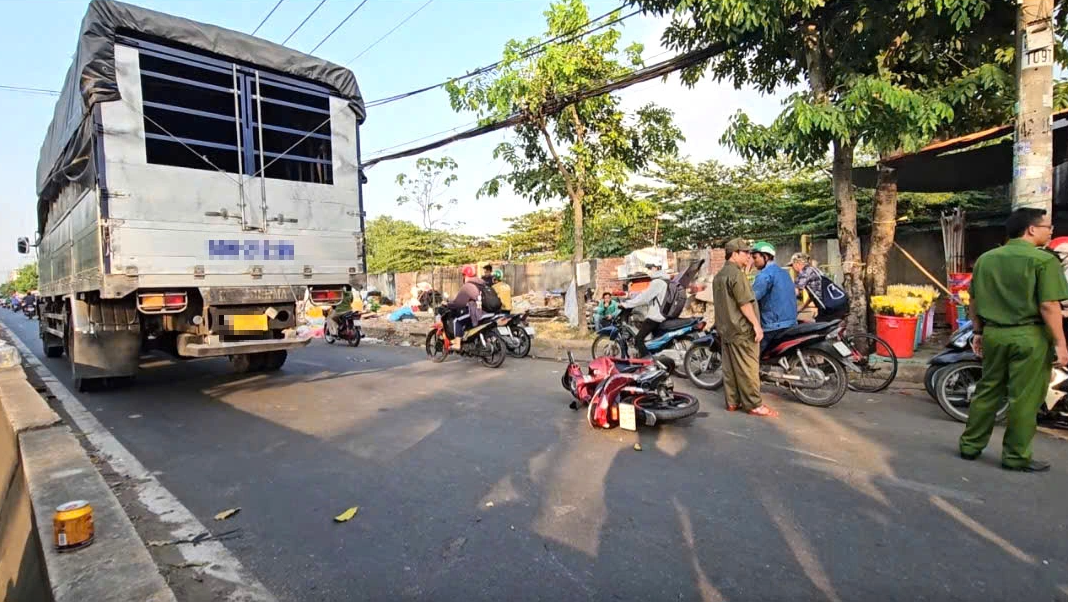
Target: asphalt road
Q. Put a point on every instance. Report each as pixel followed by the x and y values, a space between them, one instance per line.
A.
pixel 477 484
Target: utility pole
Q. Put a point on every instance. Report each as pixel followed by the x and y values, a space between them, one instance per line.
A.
pixel 1032 177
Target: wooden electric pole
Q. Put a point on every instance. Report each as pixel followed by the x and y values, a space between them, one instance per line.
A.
pixel 1032 178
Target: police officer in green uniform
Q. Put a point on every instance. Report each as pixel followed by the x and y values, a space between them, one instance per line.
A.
pixel 1016 292
pixel 738 325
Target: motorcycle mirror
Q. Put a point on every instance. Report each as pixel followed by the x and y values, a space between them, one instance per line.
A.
pixel 23 245
pixel 570 357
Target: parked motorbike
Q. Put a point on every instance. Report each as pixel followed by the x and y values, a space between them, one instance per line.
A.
pixel 670 340
pixel 481 341
pixel 958 349
pixel 808 359
pixel 516 333
pixel 348 329
pixel 626 392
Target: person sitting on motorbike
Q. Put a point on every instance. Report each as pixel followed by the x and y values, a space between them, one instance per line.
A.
pixel 775 294
pixel 504 292
pixel 652 299
pixel 333 313
pixel 606 310
pixel 487 274
pixel 464 309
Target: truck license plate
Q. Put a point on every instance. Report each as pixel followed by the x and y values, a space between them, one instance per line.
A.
pixel 249 323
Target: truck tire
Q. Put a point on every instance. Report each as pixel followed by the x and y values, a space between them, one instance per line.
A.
pixel 247 362
pixel 53 350
pixel 274 360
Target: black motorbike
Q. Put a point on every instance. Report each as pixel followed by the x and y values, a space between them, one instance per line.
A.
pixel 956 373
pixel 348 329
pixel 482 340
pixel 808 359
pixel 516 333
pixel 29 309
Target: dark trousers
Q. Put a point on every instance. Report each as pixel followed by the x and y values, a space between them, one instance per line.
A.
pixel 647 328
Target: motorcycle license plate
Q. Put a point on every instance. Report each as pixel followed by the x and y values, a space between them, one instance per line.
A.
pixel 627 418
pixel 529 330
pixel 842 349
pixel 503 331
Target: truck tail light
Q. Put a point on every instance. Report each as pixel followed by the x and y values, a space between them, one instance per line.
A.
pixel 162 303
pixel 327 296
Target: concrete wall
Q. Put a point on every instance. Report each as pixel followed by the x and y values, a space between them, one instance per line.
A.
pixel 22 568
pixel 926 247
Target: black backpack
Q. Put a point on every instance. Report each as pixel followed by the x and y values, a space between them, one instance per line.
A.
pixel 834 298
pixel 491 303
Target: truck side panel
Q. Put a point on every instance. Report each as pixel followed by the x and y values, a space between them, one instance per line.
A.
pixel 69 257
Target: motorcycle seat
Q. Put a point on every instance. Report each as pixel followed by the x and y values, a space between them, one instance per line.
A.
pixel 808 328
pixel 676 324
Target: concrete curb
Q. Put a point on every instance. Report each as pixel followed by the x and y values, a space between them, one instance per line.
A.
pixel 117 566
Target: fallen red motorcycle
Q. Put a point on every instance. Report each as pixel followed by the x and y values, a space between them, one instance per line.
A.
pixel 626 392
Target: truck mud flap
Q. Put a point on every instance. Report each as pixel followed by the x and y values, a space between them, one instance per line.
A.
pixel 105 339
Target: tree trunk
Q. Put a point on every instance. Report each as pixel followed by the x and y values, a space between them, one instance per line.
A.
pixel 576 193
pixel 883 225
pixel 848 242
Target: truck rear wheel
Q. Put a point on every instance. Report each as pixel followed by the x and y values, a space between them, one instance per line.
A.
pixel 247 362
pixel 275 360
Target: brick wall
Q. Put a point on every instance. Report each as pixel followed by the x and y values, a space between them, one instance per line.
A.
pixel 607 275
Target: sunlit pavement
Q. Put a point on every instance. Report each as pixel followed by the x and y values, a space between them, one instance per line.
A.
pixel 478 484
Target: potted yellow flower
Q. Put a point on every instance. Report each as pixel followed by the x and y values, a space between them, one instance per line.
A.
pixel 896 318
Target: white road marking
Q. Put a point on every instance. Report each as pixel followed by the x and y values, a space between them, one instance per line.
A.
pixel 216 560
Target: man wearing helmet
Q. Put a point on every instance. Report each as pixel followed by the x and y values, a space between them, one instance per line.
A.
pixel 464 309
pixel 503 290
pixel 774 291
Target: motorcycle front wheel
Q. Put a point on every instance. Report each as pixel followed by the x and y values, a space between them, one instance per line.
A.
pixel 606 346
pixel 704 367
pixel 329 339
pixel 497 352
pixel 835 379
pixel 522 349
pixel 435 347
pixel 956 387
pixel 675 406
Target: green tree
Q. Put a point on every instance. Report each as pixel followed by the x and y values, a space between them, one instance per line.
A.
pixel 534 235
pixel 576 151
pixel 881 73
pixel 7 289
pixel 427 187
pixel 26 278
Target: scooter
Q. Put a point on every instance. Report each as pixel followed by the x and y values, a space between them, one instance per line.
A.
pixel 670 340
pixel 516 333
pixel 29 310
pixel 958 349
pixel 955 383
pixel 626 392
pixel 808 359
pixel 481 341
pixel 348 329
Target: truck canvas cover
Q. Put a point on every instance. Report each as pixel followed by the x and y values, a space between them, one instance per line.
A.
pixel 66 152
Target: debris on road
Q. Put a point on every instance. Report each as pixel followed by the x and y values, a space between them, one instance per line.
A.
pixel 347 515
pixel 489 504
pixel 637 447
pixel 134 416
pixel 205 536
pixel 225 514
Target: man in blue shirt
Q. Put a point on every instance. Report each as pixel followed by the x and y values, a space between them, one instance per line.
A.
pixel 774 290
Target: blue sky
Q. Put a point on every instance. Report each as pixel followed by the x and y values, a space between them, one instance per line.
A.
pixel 447 38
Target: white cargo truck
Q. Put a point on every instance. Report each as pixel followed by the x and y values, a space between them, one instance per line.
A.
pixel 195 184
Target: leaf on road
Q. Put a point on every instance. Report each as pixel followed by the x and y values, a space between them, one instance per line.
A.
pixel 225 514
pixel 347 515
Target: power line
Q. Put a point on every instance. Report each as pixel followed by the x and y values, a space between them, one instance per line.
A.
pixel 294 32
pixel 358 7
pixel 386 35
pixel 526 54
pixel 29 90
pixel 660 69
pixel 267 17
